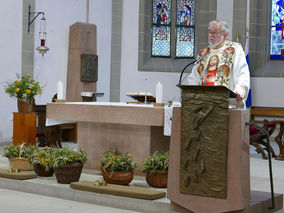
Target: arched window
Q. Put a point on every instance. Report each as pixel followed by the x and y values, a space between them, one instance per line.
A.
pixel 277 30
pixel 162 28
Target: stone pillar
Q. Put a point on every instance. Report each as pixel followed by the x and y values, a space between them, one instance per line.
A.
pixel 82 40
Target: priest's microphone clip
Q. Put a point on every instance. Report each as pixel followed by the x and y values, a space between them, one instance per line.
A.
pixel 196 61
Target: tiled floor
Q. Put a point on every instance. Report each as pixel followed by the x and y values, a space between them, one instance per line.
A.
pixel 15 201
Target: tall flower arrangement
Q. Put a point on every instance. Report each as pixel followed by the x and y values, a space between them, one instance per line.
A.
pixel 24 87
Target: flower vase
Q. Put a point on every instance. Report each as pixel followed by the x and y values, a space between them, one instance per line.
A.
pixel 25 105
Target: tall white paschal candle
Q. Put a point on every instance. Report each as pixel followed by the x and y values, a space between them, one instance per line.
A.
pixel 59 90
pixel 159 93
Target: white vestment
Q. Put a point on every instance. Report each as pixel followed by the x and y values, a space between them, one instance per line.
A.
pixel 238 76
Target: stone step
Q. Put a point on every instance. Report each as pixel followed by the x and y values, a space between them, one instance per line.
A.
pixel 48 186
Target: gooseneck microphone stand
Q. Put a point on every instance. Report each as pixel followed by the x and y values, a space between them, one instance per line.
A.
pixel 194 62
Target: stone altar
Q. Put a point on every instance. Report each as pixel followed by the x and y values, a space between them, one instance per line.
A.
pixel 133 128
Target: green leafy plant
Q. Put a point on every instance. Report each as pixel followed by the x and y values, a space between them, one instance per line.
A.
pixel 66 155
pixel 24 151
pixel 115 161
pixel 24 87
pixel 43 156
pixel 158 161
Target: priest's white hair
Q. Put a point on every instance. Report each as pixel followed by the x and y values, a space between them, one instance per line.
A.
pixel 224 25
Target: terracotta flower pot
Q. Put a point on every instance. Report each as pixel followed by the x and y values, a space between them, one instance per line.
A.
pixel 25 105
pixel 159 180
pixel 42 171
pixel 120 178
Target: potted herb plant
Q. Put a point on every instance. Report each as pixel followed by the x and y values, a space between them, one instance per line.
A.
pixel 24 89
pixel 19 156
pixel 156 169
pixel 68 164
pixel 43 160
pixel 117 168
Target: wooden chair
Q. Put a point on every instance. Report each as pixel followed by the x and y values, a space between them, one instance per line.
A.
pixel 53 135
pixel 46 135
pixel 257 137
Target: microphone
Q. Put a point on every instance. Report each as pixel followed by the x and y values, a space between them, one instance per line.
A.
pixel 196 61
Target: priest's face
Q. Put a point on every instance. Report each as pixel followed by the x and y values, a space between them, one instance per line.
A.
pixel 215 35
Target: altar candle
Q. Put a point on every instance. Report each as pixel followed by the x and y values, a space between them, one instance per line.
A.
pixel 159 92
pixel 59 90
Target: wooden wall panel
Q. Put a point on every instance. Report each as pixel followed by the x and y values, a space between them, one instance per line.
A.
pixel 24 128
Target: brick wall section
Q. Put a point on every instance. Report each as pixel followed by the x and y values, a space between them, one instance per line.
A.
pixel 259 32
pixel 239 22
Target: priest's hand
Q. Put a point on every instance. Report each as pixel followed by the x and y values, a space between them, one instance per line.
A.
pixel 239 97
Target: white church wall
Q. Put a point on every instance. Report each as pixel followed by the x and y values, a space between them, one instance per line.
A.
pixel 267 92
pixel 101 15
pixel 52 67
pixel 11 59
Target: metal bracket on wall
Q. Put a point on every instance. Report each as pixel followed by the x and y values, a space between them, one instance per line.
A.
pixel 29 18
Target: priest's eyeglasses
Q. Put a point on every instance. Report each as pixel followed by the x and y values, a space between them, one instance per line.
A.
pixel 214 32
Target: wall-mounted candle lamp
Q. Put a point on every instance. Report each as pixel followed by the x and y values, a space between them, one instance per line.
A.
pixel 42 48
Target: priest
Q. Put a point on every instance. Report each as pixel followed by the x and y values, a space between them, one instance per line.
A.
pixel 224 63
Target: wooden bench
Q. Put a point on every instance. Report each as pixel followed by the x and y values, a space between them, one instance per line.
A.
pixel 267 111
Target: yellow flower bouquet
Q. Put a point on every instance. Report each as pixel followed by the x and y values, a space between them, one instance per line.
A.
pixel 115 161
pixel 23 88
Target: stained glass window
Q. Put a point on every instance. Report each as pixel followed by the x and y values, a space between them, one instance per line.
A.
pixel 161 28
pixel 185 12
pixel 161 45
pixel 184 42
pixel 277 30
pixel 185 28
